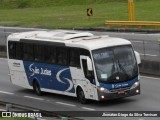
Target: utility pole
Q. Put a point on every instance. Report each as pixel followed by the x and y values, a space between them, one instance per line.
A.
pixel 131 10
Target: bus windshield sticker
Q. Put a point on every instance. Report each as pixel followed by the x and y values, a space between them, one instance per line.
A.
pixel 103 76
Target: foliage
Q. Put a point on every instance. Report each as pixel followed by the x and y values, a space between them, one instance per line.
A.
pixel 9 4
pixel 72 13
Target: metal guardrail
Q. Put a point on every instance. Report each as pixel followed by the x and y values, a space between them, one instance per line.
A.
pixel 132 23
pixel 3 48
pixel 21 108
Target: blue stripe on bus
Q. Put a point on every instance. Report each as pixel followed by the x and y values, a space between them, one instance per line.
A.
pixel 49 76
pixel 119 85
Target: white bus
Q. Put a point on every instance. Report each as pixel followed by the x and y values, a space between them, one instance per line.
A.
pixel 73 63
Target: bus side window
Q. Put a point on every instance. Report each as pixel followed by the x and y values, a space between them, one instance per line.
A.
pixel 88 74
pixel 12 48
pixel 74 57
pixel 50 54
pixel 28 51
pixel 62 55
pixel 39 53
pixel 18 50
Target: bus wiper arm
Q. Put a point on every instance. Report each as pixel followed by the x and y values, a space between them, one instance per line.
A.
pixel 113 67
pixel 123 69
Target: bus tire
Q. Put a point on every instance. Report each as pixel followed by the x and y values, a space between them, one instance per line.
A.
pixel 36 88
pixel 81 96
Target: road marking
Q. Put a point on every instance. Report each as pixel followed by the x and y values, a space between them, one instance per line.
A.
pixel 37 118
pixel 86 108
pixel 150 77
pixel 9 93
pixel 65 104
pixel 34 98
pixel 138 41
pixel 148 55
pixel 2 110
pixel 41 119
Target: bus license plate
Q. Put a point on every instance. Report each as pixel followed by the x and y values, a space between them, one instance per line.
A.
pixel 121 92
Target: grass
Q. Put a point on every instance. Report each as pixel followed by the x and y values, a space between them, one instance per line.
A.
pixel 72 13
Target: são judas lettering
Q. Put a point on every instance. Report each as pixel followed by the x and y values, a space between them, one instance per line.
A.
pixel 41 71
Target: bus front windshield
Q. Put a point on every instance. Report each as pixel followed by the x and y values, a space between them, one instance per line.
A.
pixel 115 64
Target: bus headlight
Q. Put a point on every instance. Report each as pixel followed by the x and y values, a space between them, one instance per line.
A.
pixel 135 85
pixel 102 89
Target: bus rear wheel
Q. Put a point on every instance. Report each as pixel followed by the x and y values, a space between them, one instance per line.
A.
pixel 36 88
pixel 81 96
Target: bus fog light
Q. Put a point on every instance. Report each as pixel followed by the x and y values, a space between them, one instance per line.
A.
pixel 137 91
pixel 102 97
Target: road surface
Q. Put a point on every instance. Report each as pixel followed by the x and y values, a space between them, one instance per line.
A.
pixel 149 100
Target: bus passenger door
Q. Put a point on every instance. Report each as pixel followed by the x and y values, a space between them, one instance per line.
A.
pixel 88 78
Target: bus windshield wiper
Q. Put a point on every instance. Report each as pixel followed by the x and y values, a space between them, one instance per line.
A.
pixel 113 67
pixel 123 69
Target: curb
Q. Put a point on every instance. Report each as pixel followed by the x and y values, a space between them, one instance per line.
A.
pixel 101 29
pixel 119 30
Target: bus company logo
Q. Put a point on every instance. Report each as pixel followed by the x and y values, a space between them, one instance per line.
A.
pixel 16 64
pixel 119 85
pixel 21 114
pixel 40 71
pixel 115 86
pixel 6 114
pixel 61 81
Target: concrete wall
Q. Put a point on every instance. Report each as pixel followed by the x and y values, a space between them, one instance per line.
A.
pixel 3 51
pixel 150 67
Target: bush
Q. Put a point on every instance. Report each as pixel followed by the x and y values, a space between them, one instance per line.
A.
pixel 23 4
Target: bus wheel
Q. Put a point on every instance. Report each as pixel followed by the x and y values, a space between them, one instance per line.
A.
pixel 37 88
pixel 81 96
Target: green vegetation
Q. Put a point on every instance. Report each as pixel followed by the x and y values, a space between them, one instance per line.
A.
pixel 72 13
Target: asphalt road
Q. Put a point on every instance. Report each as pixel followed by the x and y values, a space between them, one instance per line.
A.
pixel 149 100
pixel 146 44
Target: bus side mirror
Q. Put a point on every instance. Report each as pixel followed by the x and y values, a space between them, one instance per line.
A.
pixel 137 57
pixel 89 64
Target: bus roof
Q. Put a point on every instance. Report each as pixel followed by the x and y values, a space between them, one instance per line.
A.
pixel 70 38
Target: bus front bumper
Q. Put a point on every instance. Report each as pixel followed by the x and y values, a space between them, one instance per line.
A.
pixel 118 93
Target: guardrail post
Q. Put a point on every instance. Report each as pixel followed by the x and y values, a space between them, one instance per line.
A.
pixel 64 118
pixel 8 106
pixel 5 36
pixel 159 45
pixel 144 50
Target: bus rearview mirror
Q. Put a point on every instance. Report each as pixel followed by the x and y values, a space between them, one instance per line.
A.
pixel 137 57
pixel 89 64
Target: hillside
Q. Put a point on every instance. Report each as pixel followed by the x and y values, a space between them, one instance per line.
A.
pixel 10 4
pixel 72 13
